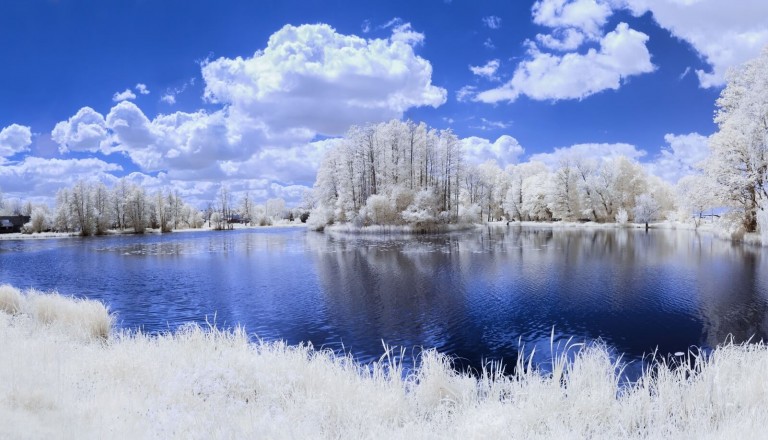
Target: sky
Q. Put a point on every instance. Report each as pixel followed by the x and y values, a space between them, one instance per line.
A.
pixel 190 95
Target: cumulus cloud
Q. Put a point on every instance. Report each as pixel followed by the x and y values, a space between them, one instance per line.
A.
pixel 142 89
pixel 545 76
pixel 311 77
pixel 487 71
pixel 492 22
pixel 308 81
pixel 14 139
pixel 725 34
pixel 586 16
pixel 85 131
pixel 505 150
pixel 125 95
pixel 681 157
pixel 43 177
pixel 177 141
pixel 588 151
pixel 562 39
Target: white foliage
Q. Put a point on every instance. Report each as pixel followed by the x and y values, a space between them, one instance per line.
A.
pixel 762 224
pixel 647 209
pixel 622 216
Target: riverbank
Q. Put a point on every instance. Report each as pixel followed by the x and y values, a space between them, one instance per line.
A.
pixel 50 235
pixel 347 228
pixel 62 377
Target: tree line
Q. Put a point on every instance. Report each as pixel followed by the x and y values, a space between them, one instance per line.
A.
pixel 397 173
pixel 93 208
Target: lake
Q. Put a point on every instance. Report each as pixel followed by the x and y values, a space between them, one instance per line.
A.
pixel 478 295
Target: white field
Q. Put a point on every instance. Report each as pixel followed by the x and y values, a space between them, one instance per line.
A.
pixel 62 376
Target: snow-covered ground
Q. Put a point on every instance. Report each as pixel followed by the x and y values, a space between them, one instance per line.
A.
pixel 36 236
pixel 400 229
pixel 60 377
pixel 41 235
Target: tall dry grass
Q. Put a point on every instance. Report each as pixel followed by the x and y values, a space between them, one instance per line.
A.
pixel 207 383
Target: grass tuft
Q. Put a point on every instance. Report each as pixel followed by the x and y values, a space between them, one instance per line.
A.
pixel 55 382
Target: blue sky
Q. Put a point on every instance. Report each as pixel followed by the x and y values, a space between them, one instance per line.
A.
pixel 635 76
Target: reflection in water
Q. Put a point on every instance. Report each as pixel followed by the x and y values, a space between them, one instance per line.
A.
pixel 479 295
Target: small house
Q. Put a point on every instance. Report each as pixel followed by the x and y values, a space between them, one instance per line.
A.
pixel 12 223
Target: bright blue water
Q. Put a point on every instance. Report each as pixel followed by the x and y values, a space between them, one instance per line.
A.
pixel 477 295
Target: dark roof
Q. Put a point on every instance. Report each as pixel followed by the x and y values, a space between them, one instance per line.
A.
pixel 13 220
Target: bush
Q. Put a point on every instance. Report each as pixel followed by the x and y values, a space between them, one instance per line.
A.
pixel 422 210
pixel 379 210
pixel 622 216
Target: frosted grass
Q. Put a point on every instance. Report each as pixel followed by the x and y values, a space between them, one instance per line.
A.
pixel 59 378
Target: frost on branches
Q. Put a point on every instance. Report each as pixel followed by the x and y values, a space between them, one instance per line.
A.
pixel 738 163
pixel 403 173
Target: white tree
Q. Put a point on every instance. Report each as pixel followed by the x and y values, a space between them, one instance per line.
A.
pixel 646 210
pixel 739 159
pixel 696 194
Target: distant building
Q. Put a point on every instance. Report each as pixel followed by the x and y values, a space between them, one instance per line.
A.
pixel 12 223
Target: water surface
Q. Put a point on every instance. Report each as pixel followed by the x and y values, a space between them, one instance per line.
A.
pixel 478 295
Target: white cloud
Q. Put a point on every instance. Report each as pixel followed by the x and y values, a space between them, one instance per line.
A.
pixel 492 22
pixel 14 139
pixel 487 71
pixel 125 95
pixel 506 150
pixel 487 124
pixel 308 80
pixel 588 16
pixel 562 39
pixel 587 151
pixel 294 165
pixel 169 97
pixel 178 141
pixel 544 76
pixel 725 34
pixel 142 89
pixel 681 157
pixel 85 131
pixel 35 176
pixel 312 78
pixel 488 44
pixel 466 93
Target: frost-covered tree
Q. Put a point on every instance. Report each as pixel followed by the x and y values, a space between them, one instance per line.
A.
pixel 646 210
pixel 137 209
pixel 564 200
pixel 739 150
pixel 40 219
pixel 696 195
pixel 395 160
pixel 246 208
pixel 517 193
pixel 275 209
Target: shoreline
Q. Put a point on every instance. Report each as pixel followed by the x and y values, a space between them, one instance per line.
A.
pixel 114 232
pixel 67 373
pixel 749 239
